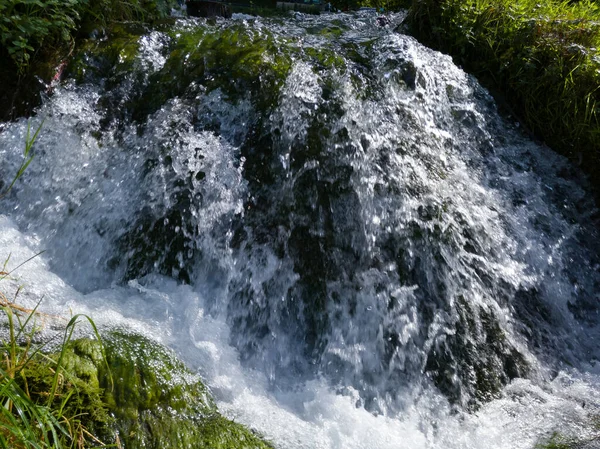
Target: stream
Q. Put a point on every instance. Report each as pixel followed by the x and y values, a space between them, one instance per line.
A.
pixel 328 221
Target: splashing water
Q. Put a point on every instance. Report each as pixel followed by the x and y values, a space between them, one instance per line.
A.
pixel 326 220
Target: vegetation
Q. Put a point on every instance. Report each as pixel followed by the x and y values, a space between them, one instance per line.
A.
pixel 542 58
pixel 385 5
pixel 36 36
pixel 44 404
pixel 28 25
pixel 558 441
pixel 155 401
pixel 65 397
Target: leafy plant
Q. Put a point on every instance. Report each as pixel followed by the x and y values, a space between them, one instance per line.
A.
pixel 28 26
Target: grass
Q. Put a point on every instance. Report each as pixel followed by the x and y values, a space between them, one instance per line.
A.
pixel 27 156
pixel 23 423
pixel 542 59
pixel 42 404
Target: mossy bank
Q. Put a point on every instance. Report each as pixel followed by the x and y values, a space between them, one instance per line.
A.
pixel 135 394
pixel 541 59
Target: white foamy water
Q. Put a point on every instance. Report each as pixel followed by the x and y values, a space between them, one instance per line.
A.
pixel 313 415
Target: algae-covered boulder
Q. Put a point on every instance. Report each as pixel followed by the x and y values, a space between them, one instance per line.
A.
pixel 148 398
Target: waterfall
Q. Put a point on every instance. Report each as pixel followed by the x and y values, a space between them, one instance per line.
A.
pixel 328 221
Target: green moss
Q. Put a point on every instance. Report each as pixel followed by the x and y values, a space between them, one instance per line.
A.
pixel 558 441
pixel 146 376
pixel 212 432
pixel 234 58
pixel 112 58
pixel 244 63
pixel 156 402
pixel 146 398
pixel 220 433
pixel 334 31
pixel 579 435
pixel 240 61
pixel 542 59
pixel 325 58
pixel 79 396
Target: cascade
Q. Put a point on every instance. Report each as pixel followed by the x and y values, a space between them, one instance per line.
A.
pixel 328 221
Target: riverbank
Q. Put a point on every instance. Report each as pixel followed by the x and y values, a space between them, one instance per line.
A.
pixel 540 59
pixel 122 391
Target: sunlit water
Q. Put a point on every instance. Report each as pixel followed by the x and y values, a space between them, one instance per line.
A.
pixel 372 258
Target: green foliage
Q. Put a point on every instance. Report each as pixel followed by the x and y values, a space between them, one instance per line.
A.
pixel 543 57
pixel 103 12
pixel 27 26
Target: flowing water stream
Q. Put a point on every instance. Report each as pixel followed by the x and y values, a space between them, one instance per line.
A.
pixel 328 221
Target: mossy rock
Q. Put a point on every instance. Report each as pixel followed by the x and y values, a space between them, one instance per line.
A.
pixel 235 58
pixel 578 435
pixel 472 365
pixel 78 393
pixel 558 441
pixel 242 61
pixel 139 396
pixel 99 59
